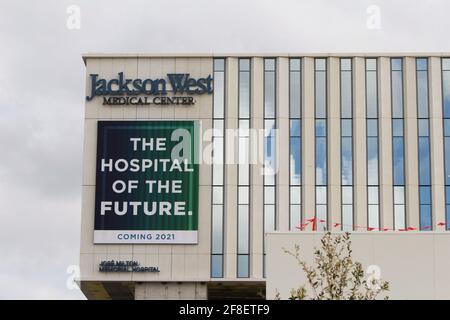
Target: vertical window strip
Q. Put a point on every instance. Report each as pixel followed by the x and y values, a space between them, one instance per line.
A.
pixel 269 197
pixel 373 204
pixel 423 120
pixel 218 139
pixel 346 104
pixel 295 144
pixel 320 114
pixel 446 123
pixel 243 223
pixel 398 143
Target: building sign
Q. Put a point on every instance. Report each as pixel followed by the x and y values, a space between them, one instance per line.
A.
pixel 127 91
pixel 124 266
pixel 147 182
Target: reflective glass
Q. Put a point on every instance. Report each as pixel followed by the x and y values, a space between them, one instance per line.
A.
pixel 321 161
pixel 295 161
pixel 398 160
pixel 216 266
pixel 294 95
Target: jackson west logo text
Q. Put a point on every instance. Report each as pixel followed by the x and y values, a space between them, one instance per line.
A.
pixel 123 91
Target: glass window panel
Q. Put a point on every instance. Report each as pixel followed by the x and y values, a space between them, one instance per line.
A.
pixel 321 195
pixel 397 127
pixel 347 217
pixel 425 217
pixel 216 266
pixel 269 94
pixel 425 195
pixel 399 195
pixel 243 195
pixel 399 216
pixel 445 64
pixel 421 64
pixel 446 93
pixel 346 127
pixel 423 127
pixel 372 127
pixel 347 195
pixel 346 64
pixel 218 150
pixel 296 193
pixel 295 219
pixel 217 229
pixel 321 215
pixel 424 161
pixel 371 64
pixel 244 94
pixel 447 216
pixel 447 195
pixel 346 161
pixel 295 161
pixel 321 161
pixel 373 216
pixel 217 174
pixel 244 64
pixel 372 195
pixel 269 195
pixel 321 64
pixel 244 174
pixel 398 160
pixel 219 64
pixel 218 128
pixel 269 127
pixel 372 161
pixel 396 64
pixel 243 266
pixel 397 95
pixel 217 195
pixel 320 105
pixel 269 217
pixel 371 95
pixel 296 130
pixel 244 150
pixel 321 128
pixel 219 87
pixel 346 94
pixel 422 94
pixel 447 127
pixel 295 64
pixel 447 160
pixel 243 229
pixel 294 95
pixel 269 64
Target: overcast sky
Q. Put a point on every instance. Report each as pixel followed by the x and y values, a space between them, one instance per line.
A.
pixel 42 94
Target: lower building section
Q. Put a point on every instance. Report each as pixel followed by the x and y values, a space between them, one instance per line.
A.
pixel 214 290
pixel 416 264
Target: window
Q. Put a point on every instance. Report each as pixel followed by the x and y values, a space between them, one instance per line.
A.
pixel 217 194
pixel 320 111
pixel 446 115
pixel 243 224
pixel 423 121
pixel 346 144
pixel 373 203
pixel 398 143
pixel 269 149
pixel 295 143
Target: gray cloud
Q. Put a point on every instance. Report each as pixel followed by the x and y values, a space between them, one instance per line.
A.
pixel 42 90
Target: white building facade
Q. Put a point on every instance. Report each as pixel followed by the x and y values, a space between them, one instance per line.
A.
pixel 300 143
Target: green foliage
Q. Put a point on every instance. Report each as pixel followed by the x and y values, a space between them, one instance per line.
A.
pixel 335 275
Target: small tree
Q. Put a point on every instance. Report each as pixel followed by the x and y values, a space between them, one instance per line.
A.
pixel 335 276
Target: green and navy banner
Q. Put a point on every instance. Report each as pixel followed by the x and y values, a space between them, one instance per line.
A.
pixel 147 182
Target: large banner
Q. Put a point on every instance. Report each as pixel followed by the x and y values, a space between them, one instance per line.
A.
pixel 147 182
